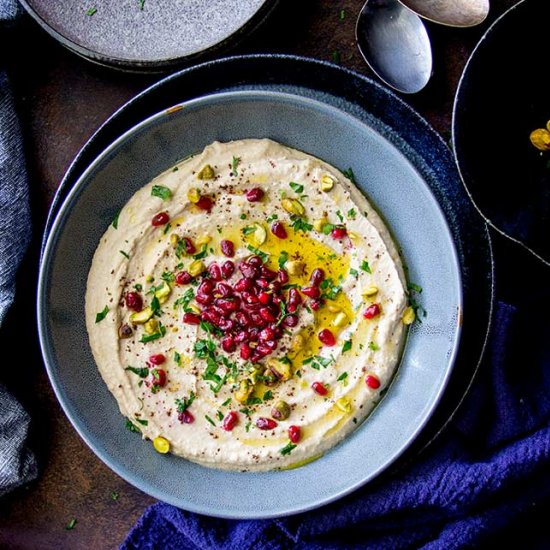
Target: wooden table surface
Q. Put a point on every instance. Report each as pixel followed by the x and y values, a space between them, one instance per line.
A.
pixel 63 99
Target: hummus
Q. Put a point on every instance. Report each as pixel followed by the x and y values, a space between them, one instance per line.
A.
pixel 247 307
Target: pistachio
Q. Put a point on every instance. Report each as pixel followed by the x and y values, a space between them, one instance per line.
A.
pixel 318 224
pixel 354 237
pixel 295 267
pixel 196 268
pixel 194 308
pixel 269 378
pixel 255 371
pixel 162 292
pixel 408 316
pixel 244 391
pixel 369 291
pixel 333 308
pixel 125 331
pixel 279 369
pixel 194 195
pixel 341 320
pixel 540 138
pixel 344 404
pixel 293 206
pixel 141 317
pixel 151 326
pixel 327 183
pixel 161 444
pixel 206 173
pixel 149 279
pixel 259 236
pixel 203 239
pixel 174 240
pixel 281 410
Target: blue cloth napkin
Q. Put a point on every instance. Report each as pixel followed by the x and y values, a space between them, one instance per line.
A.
pixel 17 464
pixel 487 469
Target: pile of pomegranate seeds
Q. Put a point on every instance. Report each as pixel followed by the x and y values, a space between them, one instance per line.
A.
pixel 252 311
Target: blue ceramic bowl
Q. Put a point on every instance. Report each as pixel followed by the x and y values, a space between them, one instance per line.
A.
pixel 397 186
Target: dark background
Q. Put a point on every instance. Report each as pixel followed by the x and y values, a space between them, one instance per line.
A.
pixel 62 100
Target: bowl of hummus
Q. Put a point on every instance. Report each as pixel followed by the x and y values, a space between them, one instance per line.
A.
pixel 234 296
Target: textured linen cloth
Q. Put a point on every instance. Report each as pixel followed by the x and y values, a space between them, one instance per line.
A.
pixel 17 464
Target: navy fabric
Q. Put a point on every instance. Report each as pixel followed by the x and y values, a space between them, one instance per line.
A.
pixel 487 469
pixel 17 464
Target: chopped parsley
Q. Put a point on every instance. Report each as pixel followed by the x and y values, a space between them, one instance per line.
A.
pixel 263 255
pixel 155 306
pixel 206 416
pixel 300 224
pixel 102 314
pixel 243 216
pixel 272 218
pixel 354 272
pixel 352 214
pixel 89 13
pixel 168 276
pixel 373 346
pixel 177 359
pixel 414 287
pixel 326 228
pixel 219 414
pixel 297 187
pixel 71 523
pixel 234 164
pixel 114 495
pixel 347 345
pixel 340 217
pixel 226 402
pixel 184 300
pixel 342 377
pixel 167 228
pixel 185 403
pixel 288 448
pixel 342 15
pixel 138 287
pixel 336 57
pixel 249 229
pixel 350 175
pixel 365 266
pixel 330 290
pixel 161 192
pixel 142 373
pixel 155 336
pixel 283 258
pixel 418 309
pixel 268 395
pixel 124 254
pixel 318 361
pixel 142 422
pixel 141 5
pixel 253 401
pixel 202 254
pixel 132 427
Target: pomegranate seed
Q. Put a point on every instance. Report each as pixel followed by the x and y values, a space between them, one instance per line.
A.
pixel 191 318
pixel 189 246
pixel 372 311
pixel 205 203
pixel 262 283
pixel 266 334
pixel 275 286
pixel 241 337
pixel 134 301
pixel 267 315
pixel 249 271
pixel 159 377
pixel 372 381
pixel 224 290
pixel 266 423
pixel 162 218
pixel 245 351
pixel 271 344
pixel 268 273
pixel 228 248
pixel 264 298
pixel 256 318
pixel 206 287
pixel 339 233
pixel 228 268
pixel 243 284
pixel 204 299
pixel 228 344
pixel 294 433
pixel 326 337
pixel 277 299
pixel 278 229
pixel 318 388
pixel 294 300
pixel 227 325
pixel 311 291
pixel 290 321
pixel 230 420
pixel 254 195
pixel 316 304
pixel 186 417
pixel 317 276
pixel 263 349
pixel 283 276
pixel 229 305
pixel 249 297
pixel 157 359
pixel 183 278
pixel 256 261
pixel 242 318
pixel 215 272
pixel 253 334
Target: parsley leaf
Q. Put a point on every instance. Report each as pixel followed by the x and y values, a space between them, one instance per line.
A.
pixel 141 372
pixel 297 187
pixel 71 523
pixel 347 345
pixel 155 336
pixel 354 272
pixel 288 448
pixel 206 416
pixel 102 314
pixel 373 346
pixel 177 359
pixel 202 254
pixel 132 427
pixel 318 361
pixel 89 13
pixel 142 422
pixel 185 403
pixel 350 175
pixel 300 224
pixel 365 266
pixel 161 192
pixel 124 254
pixel 184 300
pixel 414 287
pixel 342 377
pixel 114 495
pixel 168 276
pixel 352 214
pixel 330 289
pixel 283 258
pixel 268 395
pixel 249 229
pixel 340 217
pixel 234 164
pixel 263 255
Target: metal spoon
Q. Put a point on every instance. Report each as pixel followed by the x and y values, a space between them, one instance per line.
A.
pixel 395 44
pixel 454 13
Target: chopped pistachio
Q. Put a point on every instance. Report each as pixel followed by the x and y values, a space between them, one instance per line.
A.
pixel 341 320
pixel 295 267
pixel 141 317
pixel 293 206
pixel 196 268
pixel 194 195
pixel 327 183
pixel 408 316
pixel 161 444
pixel 344 404
pixel 244 391
pixel 206 173
pixel 370 291
pixel 151 326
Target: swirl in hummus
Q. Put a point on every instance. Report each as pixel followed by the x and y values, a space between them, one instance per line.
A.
pixel 247 307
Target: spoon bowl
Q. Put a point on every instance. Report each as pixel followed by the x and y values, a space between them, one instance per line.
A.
pixel 453 13
pixel 395 44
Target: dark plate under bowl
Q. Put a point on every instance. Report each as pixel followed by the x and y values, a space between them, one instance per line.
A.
pixel 503 96
pixel 366 100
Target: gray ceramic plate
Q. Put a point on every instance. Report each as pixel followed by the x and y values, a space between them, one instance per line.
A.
pixel 395 185
pixel 147 34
